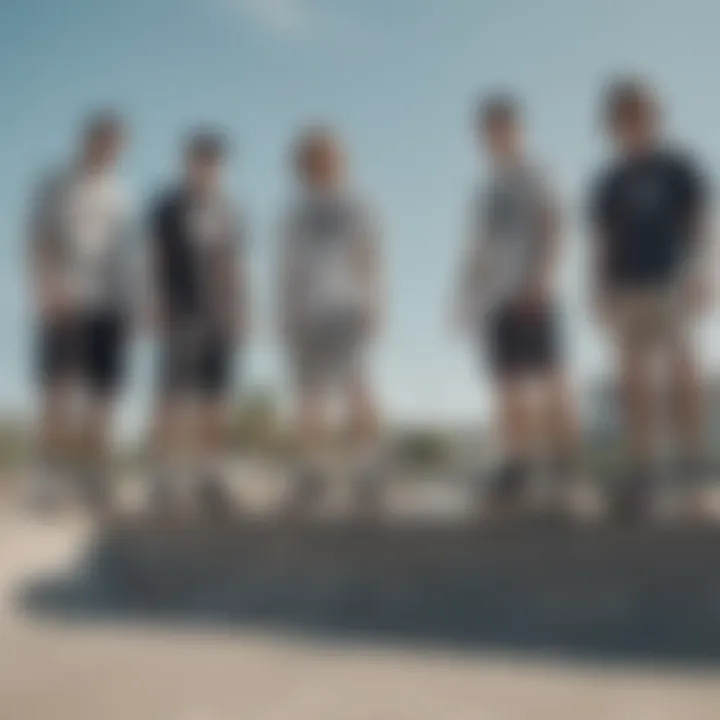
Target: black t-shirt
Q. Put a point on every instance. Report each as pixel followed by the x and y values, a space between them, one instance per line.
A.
pixel 643 210
pixel 195 247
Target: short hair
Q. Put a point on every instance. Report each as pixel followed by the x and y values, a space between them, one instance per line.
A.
pixel 498 107
pixel 627 96
pixel 207 144
pixel 309 141
pixel 103 123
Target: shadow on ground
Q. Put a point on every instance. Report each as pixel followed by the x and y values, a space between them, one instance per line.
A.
pixel 595 593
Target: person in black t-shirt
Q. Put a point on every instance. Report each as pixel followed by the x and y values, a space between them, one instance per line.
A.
pixel 199 307
pixel 649 213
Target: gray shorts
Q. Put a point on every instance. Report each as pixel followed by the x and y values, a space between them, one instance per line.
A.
pixel 329 353
pixel 198 360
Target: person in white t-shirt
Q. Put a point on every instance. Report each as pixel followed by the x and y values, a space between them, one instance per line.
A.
pixel 330 308
pixel 78 235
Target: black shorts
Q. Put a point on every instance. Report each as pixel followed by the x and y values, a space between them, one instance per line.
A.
pixel 89 348
pixel 196 362
pixel 523 341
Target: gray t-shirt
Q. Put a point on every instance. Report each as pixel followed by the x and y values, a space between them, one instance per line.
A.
pixel 507 231
pixel 326 241
pixel 81 222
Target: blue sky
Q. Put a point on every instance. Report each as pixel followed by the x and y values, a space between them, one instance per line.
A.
pixel 399 77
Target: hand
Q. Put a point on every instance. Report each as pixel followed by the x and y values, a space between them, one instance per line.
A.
pixel 371 325
pixel 54 301
pixel 699 295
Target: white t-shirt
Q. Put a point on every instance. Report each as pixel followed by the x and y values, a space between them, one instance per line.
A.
pixel 83 221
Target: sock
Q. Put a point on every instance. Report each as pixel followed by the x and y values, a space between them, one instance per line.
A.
pixel 369 462
pixel 691 469
pixel 563 468
pixel 48 478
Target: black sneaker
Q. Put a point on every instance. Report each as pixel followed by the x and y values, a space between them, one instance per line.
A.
pixel 508 489
pixel 96 493
pixel 163 498
pixel 633 498
pixel 560 481
pixel 46 493
pixel 689 485
pixel 213 497
pixel 306 493
pixel 367 492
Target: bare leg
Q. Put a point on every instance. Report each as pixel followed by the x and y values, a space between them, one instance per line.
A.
pixel 362 415
pixel 688 407
pixel 312 434
pixel 167 437
pixel 559 418
pixel 516 430
pixel 55 431
pixel 515 420
pixel 311 422
pixel 688 413
pixel 638 405
pixel 210 432
pixel 94 436
pixel 557 425
pixel 632 498
pixel 364 432
pixel 55 443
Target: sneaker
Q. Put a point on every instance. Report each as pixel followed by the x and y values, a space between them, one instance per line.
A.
pixel 306 493
pixel 213 497
pixel 507 489
pixel 46 492
pixel 633 499
pixel 95 493
pixel 368 492
pixel 556 500
pixel 689 490
pixel 163 497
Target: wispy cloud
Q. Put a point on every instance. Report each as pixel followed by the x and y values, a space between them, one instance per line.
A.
pixel 285 18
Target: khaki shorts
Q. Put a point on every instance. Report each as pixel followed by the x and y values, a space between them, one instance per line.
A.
pixel 653 317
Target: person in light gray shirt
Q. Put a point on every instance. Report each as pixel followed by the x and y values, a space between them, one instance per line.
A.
pixel 329 305
pixel 507 297
pixel 80 261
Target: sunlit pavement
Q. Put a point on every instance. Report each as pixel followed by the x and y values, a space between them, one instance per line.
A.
pixel 102 671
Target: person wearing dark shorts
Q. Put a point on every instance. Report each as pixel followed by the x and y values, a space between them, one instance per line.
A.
pixel 90 346
pixel 521 342
pixel 508 304
pixel 80 224
pixel 649 221
pixel 199 306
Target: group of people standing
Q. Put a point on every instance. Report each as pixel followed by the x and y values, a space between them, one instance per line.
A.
pixel 648 222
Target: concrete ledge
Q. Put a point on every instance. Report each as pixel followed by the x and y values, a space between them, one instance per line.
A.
pixel 595 592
